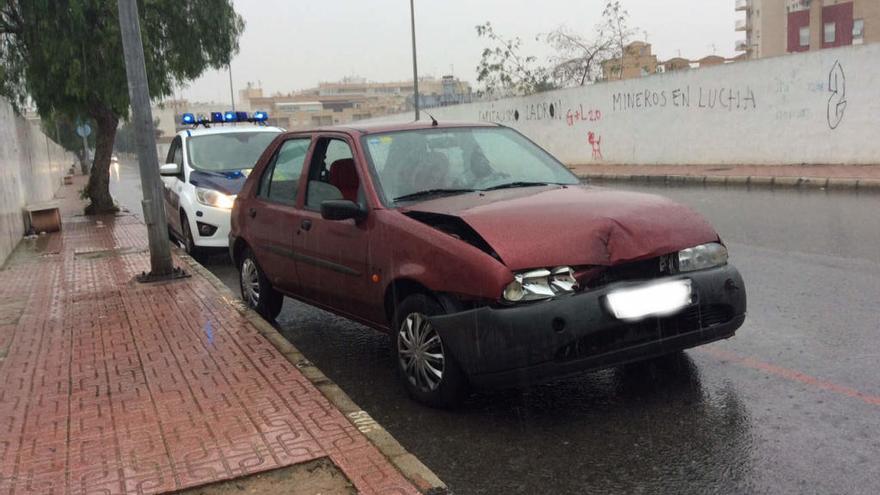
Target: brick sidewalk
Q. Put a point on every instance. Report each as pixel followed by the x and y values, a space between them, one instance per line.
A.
pixel 110 386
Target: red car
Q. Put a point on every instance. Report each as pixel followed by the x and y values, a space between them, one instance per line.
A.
pixel 487 260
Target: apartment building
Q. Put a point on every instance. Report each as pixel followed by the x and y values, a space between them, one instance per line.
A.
pixel 778 27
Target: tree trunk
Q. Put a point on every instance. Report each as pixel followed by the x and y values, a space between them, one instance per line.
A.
pixel 98 189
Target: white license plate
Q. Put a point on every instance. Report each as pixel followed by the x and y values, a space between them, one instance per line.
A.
pixel 654 299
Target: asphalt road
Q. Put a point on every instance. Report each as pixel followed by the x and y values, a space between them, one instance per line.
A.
pixel 791 404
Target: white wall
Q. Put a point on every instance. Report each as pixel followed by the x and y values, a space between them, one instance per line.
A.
pixel 31 171
pixel 773 111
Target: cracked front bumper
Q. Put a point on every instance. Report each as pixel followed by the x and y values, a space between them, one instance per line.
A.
pixel 571 334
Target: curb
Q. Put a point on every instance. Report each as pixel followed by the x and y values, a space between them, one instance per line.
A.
pixel 756 181
pixel 409 465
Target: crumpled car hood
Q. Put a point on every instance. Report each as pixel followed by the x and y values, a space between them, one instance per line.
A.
pixel 575 225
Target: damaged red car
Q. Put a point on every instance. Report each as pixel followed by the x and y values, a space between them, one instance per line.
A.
pixel 488 262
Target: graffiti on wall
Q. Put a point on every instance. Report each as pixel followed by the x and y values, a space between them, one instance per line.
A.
pixel 722 98
pixel 837 100
pixel 528 112
pixel 581 114
pixel 596 142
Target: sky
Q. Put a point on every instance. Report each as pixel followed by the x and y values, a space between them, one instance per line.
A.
pixel 293 44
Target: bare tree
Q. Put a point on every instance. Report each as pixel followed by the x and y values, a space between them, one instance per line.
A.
pixel 578 58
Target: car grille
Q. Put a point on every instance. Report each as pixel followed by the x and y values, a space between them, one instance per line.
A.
pixel 630 334
pixel 661 266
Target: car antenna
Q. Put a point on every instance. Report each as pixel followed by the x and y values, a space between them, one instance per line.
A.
pixel 434 122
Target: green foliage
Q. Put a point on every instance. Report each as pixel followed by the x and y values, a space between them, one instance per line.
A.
pixel 67 55
pixel 503 70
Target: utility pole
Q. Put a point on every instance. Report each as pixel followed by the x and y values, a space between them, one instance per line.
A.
pixel 161 266
pixel 231 91
pixel 412 16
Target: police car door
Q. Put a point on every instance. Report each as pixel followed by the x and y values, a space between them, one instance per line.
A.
pixel 173 184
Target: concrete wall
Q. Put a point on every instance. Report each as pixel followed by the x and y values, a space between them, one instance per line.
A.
pixel 818 108
pixel 31 171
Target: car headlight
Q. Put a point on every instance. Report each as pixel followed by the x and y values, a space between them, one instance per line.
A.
pixel 540 284
pixel 702 257
pixel 214 198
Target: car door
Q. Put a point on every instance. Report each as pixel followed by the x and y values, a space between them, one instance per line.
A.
pixel 332 256
pixel 272 215
pixel 173 185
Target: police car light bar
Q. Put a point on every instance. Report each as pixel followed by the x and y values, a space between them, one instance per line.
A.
pixel 188 119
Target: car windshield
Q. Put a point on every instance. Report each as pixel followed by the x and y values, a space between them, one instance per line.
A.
pixel 228 151
pixel 412 165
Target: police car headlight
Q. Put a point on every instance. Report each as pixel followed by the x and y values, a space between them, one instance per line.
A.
pixel 702 257
pixel 217 199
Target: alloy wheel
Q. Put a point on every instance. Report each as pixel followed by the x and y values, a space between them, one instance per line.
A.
pixel 250 282
pixel 420 351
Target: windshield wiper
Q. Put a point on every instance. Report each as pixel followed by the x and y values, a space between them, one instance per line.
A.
pixel 430 192
pixel 511 185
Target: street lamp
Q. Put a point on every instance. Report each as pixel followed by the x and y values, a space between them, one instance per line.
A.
pixel 412 16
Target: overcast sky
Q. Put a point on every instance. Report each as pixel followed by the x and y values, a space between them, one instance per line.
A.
pixel 294 44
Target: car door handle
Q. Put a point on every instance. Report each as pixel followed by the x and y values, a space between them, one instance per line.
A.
pixel 306 224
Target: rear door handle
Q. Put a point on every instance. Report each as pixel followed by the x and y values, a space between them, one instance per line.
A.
pixel 252 212
pixel 306 224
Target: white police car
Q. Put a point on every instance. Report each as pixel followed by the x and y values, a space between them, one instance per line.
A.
pixel 205 169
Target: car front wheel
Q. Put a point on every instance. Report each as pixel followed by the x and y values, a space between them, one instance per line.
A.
pixel 256 291
pixel 429 372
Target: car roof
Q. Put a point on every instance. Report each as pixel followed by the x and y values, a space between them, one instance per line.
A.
pixel 227 129
pixel 382 127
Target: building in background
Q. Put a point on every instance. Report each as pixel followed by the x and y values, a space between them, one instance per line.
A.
pixel 777 27
pixel 637 61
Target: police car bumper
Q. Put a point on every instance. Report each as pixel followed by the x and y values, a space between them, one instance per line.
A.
pixel 210 227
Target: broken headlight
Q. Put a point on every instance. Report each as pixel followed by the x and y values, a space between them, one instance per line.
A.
pixel 701 257
pixel 535 285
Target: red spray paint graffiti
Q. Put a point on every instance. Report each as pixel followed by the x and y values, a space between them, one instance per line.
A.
pixel 596 142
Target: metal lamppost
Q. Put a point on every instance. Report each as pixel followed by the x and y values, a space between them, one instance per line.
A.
pixel 412 15
pixel 161 266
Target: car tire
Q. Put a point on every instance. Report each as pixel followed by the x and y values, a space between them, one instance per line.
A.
pixel 189 243
pixel 256 291
pixel 427 369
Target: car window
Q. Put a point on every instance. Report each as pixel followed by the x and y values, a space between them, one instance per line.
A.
pixel 280 182
pixel 228 151
pixel 332 174
pixel 175 153
pixel 410 162
pixel 178 155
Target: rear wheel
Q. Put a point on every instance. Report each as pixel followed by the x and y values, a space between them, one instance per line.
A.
pixel 428 370
pixel 256 291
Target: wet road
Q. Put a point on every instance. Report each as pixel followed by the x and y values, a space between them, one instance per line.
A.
pixel 789 405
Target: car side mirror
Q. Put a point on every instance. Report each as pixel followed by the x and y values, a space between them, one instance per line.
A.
pixel 169 169
pixel 342 209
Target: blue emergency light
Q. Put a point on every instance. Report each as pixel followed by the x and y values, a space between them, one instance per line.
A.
pixel 229 117
pixel 261 116
pixel 241 116
pixel 188 119
pixel 216 117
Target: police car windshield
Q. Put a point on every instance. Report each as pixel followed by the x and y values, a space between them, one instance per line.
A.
pixel 228 151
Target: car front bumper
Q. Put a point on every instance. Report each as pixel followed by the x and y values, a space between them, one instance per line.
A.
pixel 215 217
pixel 502 346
